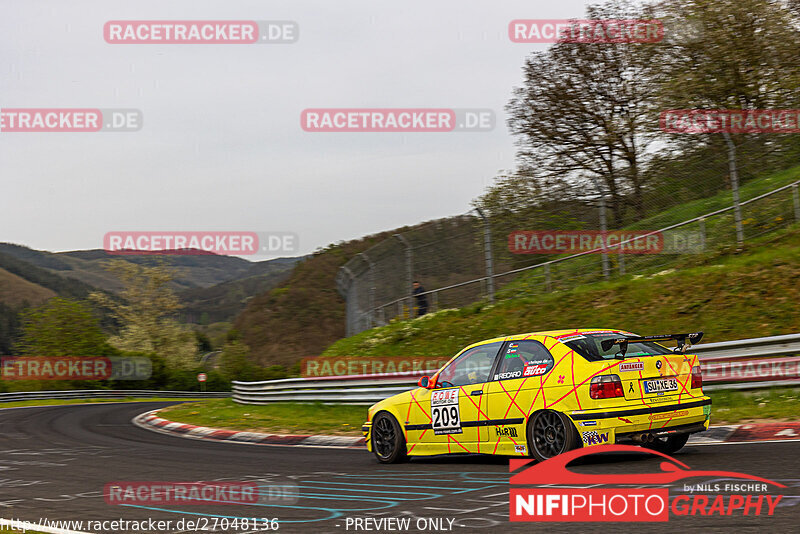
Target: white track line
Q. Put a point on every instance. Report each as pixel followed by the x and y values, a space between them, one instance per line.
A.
pixel 24 525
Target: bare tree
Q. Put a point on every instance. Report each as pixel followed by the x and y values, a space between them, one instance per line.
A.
pixel 584 115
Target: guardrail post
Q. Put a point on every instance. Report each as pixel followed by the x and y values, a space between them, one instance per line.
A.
pixel 603 230
pixel 796 198
pixel 409 268
pixel 371 312
pixel 487 247
pixel 350 304
pixel 621 257
pixel 548 286
pixel 702 225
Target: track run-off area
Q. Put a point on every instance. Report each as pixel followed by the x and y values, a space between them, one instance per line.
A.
pixel 57 463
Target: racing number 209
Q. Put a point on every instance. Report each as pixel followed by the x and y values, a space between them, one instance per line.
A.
pixel 445 416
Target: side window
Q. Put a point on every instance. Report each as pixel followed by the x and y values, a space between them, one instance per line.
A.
pixel 472 367
pixel 523 359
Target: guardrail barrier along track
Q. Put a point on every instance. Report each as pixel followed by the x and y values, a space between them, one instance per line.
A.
pixel 109 394
pixel 742 364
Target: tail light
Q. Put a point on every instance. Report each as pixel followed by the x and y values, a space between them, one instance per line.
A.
pixel 606 387
pixel 697 377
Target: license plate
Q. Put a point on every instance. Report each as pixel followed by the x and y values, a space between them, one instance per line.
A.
pixel 660 386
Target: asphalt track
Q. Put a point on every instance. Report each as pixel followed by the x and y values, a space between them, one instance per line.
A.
pixel 56 460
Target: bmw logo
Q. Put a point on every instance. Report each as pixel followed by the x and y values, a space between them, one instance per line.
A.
pixel 658 364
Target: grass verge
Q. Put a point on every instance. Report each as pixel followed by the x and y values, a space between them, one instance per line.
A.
pixel 341 419
pixel 288 418
pixel 731 406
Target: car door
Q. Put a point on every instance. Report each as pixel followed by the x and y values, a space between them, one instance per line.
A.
pixel 457 404
pixel 522 366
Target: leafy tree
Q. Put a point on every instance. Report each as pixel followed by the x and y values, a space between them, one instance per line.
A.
pixel 146 314
pixel 61 327
pixel 729 54
pixel 583 116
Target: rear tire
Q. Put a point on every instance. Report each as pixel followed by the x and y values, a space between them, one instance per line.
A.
pixel 550 434
pixel 669 445
pixel 388 441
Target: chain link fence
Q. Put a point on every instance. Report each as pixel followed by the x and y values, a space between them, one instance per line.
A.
pixel 473 256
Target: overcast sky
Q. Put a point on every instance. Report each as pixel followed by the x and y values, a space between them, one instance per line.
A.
pixel 222 147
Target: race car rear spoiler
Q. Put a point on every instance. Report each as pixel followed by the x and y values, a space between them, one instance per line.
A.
pixel 682 339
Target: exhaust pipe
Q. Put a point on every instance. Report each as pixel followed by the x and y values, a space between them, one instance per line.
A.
pixel 644 437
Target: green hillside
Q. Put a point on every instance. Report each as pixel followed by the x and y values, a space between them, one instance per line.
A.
pixel 728 295
pixel 224 301
pixel 304 314
pixel 192 271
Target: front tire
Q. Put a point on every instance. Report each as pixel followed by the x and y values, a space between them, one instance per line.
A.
pixel 388 442
pixel 550 434
pixel 669 445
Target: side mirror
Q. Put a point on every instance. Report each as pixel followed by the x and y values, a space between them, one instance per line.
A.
pixel 424 381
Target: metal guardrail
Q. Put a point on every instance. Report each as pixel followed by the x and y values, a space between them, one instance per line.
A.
pixel 108 394
pixel 742 364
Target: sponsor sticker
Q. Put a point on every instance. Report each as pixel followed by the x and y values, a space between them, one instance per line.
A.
pixel 669 415
pixel 535 370
pixel 445 414
pixel 593 437
pixel 520 449
pixel 659 400
pixel 631 366
pixel 513 374
pixel 506 431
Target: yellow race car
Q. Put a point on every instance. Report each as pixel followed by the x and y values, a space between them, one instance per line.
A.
pixel 544 393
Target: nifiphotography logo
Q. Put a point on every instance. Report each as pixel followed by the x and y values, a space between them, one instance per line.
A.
pixel 549 491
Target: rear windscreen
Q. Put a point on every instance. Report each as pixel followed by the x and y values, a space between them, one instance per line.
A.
pixel 588 346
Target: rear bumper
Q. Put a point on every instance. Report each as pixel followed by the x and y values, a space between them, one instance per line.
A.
pixel 690 428
pixel 627 423
pixel 632 412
